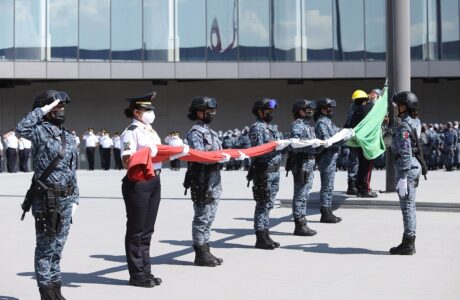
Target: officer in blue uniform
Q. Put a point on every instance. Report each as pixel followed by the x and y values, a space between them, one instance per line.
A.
pixel 303 164
pixel 203 179
pixel 53 206
pixel 142 198
pixel 408 168
pixel 327 158
pixel 264 171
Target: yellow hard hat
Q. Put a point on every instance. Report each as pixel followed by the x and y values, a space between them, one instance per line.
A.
pixel 358 94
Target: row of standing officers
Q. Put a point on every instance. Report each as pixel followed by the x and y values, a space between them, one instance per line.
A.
pixel 53 209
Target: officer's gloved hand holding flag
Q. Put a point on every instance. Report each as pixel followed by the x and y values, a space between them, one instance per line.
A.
pixel 314 143
pixel 344 134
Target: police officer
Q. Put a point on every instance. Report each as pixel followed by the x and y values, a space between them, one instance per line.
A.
pixel 303 164
pixel 91 141
pixel 142 198
pixel 106 145
pixel 327 158
pixel 449 145
pixel 11 152
pixel 117 151
pixel 24 150
pixel 53 208
pixel 264 170
pixel 227 143
pixel 203 179
pixel 408 168
pixel 245 142
pixel 363 106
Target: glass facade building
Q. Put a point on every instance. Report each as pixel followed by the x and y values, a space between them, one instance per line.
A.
pixel 219 30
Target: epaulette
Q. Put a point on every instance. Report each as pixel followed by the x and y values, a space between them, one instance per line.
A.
pixel 131 127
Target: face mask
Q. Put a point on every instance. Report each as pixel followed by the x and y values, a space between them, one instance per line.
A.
pixel 268 117
pixel 330 112
pixel 308 115
pixel 148 117
pixel 208 117
pixel 57 117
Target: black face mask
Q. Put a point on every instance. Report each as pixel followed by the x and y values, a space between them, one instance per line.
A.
pixel 208 117
pixel 57 117
pixel 268 117
pixel 308 115
pixel 330 112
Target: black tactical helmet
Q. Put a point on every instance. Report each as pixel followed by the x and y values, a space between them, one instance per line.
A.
pixel 265 103
pixel 202 103
pixel 303 104
pixel 49 96
pixel 325 103
pixel 407 98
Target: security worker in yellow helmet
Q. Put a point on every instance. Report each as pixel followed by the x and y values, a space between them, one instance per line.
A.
pixel 362 107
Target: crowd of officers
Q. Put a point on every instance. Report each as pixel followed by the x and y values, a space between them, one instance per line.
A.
pixel 315 142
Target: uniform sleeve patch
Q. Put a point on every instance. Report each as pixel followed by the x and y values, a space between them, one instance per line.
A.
pixel 126 146
pixel 405 135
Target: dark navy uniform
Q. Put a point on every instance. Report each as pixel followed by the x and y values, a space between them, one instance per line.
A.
pixel 46 137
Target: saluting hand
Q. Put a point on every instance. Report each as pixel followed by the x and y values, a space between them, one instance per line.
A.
pixel 47 108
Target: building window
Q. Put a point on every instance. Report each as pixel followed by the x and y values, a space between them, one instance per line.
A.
pixel 287 30
pixel 222 31
pixel 317 24
pixel 449 38
pixel 418 29
pixel 348 30
pixel 126 42
pixel 63 29
pixel 7 29
pixel 191 30
pixel 94 30
pixel 159 38
pixel 254 17
pixel 375 27
pixel 30 30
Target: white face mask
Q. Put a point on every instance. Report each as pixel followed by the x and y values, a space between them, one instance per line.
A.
pixel 148 117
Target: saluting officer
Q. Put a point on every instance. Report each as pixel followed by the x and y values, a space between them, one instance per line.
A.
pixel 53 209
pixel 327 158
pixel 203 179
pixel 11 152
pixel 408 168
pixel 91 141
pixel 265 170
pixel 303 164
pixel 142 199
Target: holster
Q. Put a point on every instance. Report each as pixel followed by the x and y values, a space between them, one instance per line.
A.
pixel 48 222
pixel 259 189
pixel 203 179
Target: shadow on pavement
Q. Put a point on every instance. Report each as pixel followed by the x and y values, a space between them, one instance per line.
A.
pixel 8 298
pixel 325 248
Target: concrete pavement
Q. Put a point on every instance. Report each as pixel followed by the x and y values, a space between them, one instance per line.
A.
pixel 344 261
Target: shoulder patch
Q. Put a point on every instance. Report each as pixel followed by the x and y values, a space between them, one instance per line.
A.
pixel 131 127
pixel 126 146
pixel 405 134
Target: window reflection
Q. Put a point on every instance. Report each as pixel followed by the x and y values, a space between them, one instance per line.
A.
pixel 30 30
pixel 254 30
pixel 287 32
pixel 63 29
pixel 126 30
pixel 375 14
pixel 222 34
pixel 7 29
pixel 418 29
pixel 318 29
pixel 348 30
pixel 159 30
pixel 94 30
pixel 450 37
pixel 191 31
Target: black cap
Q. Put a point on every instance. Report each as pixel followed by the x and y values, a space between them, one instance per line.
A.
pixel 49 96
pixel 303 104
pixel 142 101
pixel 325 103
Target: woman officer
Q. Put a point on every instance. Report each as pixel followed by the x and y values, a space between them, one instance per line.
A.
pixel 141 198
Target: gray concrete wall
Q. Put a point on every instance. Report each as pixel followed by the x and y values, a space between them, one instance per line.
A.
pixel 100 104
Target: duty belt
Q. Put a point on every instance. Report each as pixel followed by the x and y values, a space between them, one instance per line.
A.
pixel 63 193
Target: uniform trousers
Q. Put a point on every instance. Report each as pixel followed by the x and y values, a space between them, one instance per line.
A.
pixel 117 158
pixel 363 177
pixel 11 160
pixel 90 156
pixel 142 200
pixel 106 155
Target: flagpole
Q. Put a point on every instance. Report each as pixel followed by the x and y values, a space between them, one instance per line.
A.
pixel 398 67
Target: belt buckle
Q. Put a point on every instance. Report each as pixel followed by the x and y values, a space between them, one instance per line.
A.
pixel 157 172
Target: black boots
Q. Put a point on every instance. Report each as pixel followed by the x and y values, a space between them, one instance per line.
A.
pixel 302 229
pixel 219 260
pixel 156 280
pixel 327 216
pixel 407 246
pixel 267 234
pixel 57 290
pixel 204 258
pixel 352 190
pixel 367 194
pixel 47 292
pixel 263 241
pixel 142 281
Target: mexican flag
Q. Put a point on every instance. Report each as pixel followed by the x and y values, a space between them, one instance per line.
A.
pixel 369 131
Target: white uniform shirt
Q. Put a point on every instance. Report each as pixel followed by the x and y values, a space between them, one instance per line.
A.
pixel 106 141
pixel 77 140
pixel 138 138
pixel 12 141
pixel 90 139
pixel 1 146
pixel 26 143
pixel 117 142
